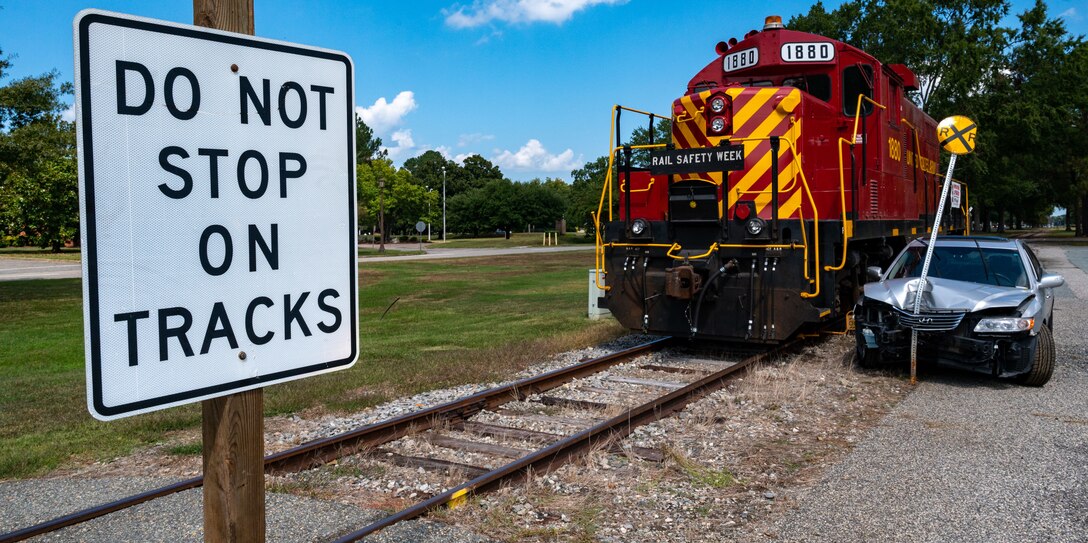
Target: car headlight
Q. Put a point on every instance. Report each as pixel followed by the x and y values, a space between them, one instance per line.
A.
pixel 1004 324
pixel 639 226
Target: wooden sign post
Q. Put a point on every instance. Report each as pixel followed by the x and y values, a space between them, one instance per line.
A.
pixel 172 314
pixel 232 426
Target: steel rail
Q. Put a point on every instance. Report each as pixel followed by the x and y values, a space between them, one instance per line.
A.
pixel 321 451
pixel 574 446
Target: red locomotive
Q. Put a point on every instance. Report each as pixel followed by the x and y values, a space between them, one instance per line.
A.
pixel 760 216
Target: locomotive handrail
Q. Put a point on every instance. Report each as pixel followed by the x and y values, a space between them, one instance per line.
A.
pixel 647 189
pixel 848 225
pixel 677 247
pixel 815 221
pixel 606 189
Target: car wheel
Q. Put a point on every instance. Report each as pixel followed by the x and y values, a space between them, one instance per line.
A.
pixel 867 358
pixel 1042 365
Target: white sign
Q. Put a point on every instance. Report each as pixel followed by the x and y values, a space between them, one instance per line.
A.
pixel 809 51
pixel 955 195
pixel 217 200
pixel 741 59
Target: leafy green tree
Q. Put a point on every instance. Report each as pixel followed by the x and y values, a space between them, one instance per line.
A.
pixel 367 146
pixel 405 200
pixel 587 184
pixel 478 171
pixel 948 44
pixel 39 202
pixel 427 169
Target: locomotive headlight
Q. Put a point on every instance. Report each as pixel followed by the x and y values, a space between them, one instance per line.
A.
pixel 754 226
pixel 639 226
pixel 717 104
pixel 717 124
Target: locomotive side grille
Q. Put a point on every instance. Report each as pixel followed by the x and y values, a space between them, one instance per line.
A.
pixel 930 322
pixel 874 198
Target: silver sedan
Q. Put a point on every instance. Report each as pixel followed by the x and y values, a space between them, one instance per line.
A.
pixel 987 306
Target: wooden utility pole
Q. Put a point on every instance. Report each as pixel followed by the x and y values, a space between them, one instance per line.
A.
pixel 233 426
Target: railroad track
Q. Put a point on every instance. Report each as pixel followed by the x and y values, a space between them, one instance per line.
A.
pixel 650 392
pixel 371 436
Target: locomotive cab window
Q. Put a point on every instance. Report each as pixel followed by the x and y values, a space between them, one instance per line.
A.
pixel 895 102
pixel 818 85
pixel 857 79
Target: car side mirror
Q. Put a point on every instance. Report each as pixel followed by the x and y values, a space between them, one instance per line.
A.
pixel 874 273
pixel 1051 280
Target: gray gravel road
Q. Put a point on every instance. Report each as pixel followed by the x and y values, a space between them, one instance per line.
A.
pixel 971 459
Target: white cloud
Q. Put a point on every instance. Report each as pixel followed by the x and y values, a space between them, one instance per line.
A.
pixel 464 140
pixel 443 150
pixel 482 12
pixel 69 114
pixel 405 145
pixel 460 158
pixel 533 156
pixel 1070 14
pixel 382 116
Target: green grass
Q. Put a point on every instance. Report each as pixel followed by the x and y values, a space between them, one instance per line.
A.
pixel 36 253
pixel 453 322
pixel 516 240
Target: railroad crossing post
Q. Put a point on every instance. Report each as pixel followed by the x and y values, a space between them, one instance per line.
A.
pixel 232 426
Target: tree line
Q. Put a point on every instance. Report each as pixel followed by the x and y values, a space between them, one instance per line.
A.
pixel 480 200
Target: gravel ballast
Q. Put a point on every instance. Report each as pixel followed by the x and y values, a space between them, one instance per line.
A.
pixel 804 449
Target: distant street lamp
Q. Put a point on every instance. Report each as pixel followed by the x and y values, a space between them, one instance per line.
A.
pixel 443 203
pixel 381 212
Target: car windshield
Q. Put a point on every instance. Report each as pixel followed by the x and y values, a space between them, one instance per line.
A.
pixel 991 266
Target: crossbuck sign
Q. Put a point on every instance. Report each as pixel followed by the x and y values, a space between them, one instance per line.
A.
pixel 217 199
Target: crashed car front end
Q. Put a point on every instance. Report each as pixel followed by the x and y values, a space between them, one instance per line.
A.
pixel 980 328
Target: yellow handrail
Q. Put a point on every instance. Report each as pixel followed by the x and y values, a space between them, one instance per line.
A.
pixel 606 189
pixel 848 226
pixel 647 189
pixel 676 247
pixel 606 193
pixel 816 230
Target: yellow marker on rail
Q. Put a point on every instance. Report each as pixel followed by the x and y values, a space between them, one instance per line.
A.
pixel 458 498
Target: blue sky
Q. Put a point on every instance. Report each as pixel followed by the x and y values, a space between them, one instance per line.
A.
pixel 528 84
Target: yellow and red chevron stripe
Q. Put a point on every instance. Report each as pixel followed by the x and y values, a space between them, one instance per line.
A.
pixel 758 113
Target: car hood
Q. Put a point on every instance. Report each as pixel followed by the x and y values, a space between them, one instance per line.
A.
pixel 944 294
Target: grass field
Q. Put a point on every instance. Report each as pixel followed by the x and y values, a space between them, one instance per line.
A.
pixel 448 322
pixel 34 252
pixel 516 240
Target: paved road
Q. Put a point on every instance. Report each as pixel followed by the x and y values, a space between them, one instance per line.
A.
pixel 439 253
pixel 967 458
pixel 15 269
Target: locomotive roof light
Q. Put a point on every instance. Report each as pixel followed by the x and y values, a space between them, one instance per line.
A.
pixel 717 104
pixel 773 22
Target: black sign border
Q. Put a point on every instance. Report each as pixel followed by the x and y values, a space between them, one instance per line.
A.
pixel 90 250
